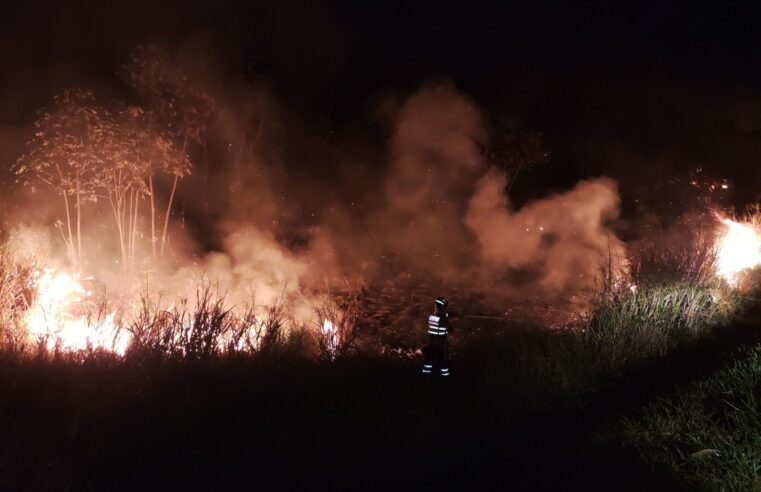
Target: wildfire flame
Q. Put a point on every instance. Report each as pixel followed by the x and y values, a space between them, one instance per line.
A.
pixel 59 317
pixel 328 327
pixel 739 249
pixel 329 335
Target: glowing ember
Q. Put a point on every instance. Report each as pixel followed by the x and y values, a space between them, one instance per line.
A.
pixel 739 249
pixel 59 317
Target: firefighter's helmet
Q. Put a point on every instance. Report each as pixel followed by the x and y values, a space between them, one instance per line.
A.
pixel 441 303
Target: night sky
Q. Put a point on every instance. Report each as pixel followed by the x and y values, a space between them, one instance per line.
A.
pixel 641 94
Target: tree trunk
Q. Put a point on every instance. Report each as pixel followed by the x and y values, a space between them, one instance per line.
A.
pixel 116 208
pixel 134 225
pixel 168 211
pixel 131 227
pixel 122 208
pixel 70 239
pixel 127 224
pixel 70 242
pixel 79 227
pixel 153 217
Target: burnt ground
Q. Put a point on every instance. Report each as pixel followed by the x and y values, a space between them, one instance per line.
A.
pixel 394 311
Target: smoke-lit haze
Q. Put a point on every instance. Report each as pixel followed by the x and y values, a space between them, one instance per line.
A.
pixel 434 205
pixel 331 168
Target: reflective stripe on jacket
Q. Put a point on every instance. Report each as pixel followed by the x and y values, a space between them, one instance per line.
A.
pixel 438 326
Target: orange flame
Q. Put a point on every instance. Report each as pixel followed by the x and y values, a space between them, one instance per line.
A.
pixel 54 320
pixel 739 249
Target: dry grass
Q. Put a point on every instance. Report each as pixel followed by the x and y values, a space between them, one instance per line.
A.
pixel 667 297
pixel 337 318
pixel 690 259
pixel 16 294
pixel 208 327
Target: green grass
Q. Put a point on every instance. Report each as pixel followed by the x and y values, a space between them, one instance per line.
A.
pixel 628 324
pixel 665 295
pixel 710 433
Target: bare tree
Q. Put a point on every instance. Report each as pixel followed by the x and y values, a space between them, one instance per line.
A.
pixel 136 151
pixel 66 154
pixel 122 181
pixel 179 107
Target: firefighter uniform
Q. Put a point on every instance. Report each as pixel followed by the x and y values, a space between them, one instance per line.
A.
pixel 437 352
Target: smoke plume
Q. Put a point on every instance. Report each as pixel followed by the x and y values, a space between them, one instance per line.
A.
pixel 435 160
pixel 559 242
pixel 257 219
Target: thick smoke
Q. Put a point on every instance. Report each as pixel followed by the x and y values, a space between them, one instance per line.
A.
pixel 560 241
pixel 448 215
pixel 262 227
pixel 250 268
pixel 435 159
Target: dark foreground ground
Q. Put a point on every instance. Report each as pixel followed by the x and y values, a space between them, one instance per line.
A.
pixel 285 422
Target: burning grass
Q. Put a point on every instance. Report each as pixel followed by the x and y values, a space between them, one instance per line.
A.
pixel 54 314
pixel 709 433
pixel 273 375
pixel 672 294
pixel 663 297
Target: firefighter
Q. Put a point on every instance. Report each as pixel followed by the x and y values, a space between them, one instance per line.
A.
pixel 437 351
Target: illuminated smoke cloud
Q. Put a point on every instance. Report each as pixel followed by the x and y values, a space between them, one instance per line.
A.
pixel 254 266
pixel 435 160
pixel 560 240
pixel 448 213
pixel 434 206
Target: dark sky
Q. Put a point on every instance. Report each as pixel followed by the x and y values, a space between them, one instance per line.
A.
pixel 638 93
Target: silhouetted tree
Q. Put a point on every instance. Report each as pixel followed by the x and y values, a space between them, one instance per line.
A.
pixel 66 154
pixel 137 150
pixel 178 106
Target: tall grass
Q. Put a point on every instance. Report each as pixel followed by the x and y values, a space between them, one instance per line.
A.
pixel 710 433
pixel 665 296
pixel 637 322
pixel 688 257
pixel 210 328
pixel 16 278
pixel 337 320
